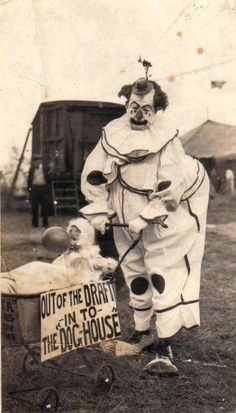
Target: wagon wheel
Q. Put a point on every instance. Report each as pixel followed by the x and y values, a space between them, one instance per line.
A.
pixel 48 399
pixel 104 379
pixel 31 364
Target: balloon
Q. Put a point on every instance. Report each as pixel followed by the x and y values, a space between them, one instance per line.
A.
pixel 56 239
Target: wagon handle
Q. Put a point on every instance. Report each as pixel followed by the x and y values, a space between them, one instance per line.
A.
pixel 133 245
pixel 109 224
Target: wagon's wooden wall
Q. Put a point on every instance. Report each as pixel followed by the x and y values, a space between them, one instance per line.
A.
pixel 65 133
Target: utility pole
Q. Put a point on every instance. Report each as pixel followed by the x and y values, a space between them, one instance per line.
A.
pixel 10 195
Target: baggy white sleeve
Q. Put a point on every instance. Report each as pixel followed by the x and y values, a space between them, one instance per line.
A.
pixel 171 175
pixel 170 184
pixel 96 194
pixel 154 212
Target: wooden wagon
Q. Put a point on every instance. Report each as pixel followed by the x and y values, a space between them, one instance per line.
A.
pixel 63 134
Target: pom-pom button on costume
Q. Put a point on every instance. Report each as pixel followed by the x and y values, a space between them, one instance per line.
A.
pixel 151 184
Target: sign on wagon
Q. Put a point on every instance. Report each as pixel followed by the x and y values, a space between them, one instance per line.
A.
pixel 77 317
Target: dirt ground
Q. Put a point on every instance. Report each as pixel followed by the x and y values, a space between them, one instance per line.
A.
pixel 205 357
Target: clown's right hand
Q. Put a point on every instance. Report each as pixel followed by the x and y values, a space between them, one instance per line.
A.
pixel 100 223
pixel 137 225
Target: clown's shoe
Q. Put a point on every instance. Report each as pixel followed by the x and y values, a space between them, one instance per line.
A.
pixel 139 341
pixel 162 364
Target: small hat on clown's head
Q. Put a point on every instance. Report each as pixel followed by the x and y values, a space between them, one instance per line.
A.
pixel 142 86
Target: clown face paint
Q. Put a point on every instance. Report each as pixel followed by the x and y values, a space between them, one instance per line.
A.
pixel 141 110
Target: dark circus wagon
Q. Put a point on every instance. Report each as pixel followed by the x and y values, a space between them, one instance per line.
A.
pixel 64 133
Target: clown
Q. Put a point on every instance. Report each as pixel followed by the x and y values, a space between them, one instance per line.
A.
pixel 139 174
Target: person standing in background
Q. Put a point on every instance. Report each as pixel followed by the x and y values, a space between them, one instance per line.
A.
pixel 229 179
pixel 39 188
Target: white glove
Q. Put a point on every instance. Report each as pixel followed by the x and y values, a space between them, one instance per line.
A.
pixel 106 264
pixel 99 223
pixel 111 264
pixel 137 225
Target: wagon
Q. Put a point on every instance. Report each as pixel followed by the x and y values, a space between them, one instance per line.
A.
pixel 21 327
pixel 63 134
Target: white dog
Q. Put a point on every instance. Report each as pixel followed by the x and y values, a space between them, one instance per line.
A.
pixel 81 263
pixel 83 259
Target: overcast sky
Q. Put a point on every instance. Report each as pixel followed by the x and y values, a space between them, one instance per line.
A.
pixel 86 50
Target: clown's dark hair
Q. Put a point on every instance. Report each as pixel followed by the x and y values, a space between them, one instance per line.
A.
pixel 160 97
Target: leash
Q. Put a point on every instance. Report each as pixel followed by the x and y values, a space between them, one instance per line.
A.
pixel 132 246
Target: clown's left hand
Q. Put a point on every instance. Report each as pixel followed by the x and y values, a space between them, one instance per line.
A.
pixel 106 264
pixel 137 225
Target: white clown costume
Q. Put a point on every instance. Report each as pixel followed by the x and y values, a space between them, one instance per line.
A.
pixel 149 177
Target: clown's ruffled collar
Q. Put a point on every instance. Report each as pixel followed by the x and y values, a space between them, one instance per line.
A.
pixel 119 140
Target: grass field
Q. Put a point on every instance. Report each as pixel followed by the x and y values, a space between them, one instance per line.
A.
pixel 205 357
